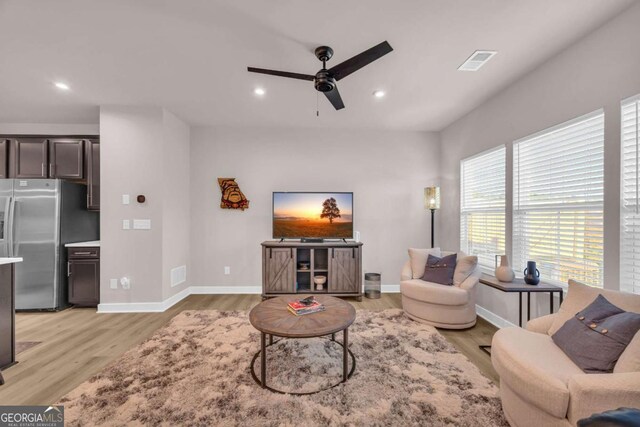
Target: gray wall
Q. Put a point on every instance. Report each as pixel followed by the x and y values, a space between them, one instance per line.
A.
pixel 145 151
pixel 387 172
pixel 176 209
pixel 598 71
pixel 130 150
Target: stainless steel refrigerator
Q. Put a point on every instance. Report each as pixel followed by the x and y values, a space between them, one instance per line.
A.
pixel 37 217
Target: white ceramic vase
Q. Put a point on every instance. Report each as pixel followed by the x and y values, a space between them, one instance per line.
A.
pixel 319 281
pixel 504 272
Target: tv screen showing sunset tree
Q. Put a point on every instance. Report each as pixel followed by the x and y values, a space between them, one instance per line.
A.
pixel 324 215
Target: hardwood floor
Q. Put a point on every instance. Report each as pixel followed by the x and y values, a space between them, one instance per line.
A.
pixel 78 342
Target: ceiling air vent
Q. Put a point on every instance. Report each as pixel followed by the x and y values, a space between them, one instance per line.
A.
pixel 477 60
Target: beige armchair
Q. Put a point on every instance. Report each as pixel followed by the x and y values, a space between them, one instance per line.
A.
pixel 449 307
pixel 541 386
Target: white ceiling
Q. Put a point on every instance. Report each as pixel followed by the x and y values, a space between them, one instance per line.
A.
pixel 190 56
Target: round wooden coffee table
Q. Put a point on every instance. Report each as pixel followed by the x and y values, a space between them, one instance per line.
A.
pixel 271 317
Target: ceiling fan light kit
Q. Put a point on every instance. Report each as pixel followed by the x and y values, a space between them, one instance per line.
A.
pixel 325 79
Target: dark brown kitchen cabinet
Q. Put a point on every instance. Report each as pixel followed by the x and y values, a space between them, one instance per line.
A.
pixel 83 272
pixel 30 158
pixel 4 158
pixel 75 158
pixel 7 317
pixel 92 149
pixel 66 158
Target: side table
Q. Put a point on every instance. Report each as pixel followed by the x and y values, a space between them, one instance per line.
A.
pixel 519 286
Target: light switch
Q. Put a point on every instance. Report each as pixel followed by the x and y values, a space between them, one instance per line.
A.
pixel 113 283
pixel 142 224
pixel 125 199
pixel 126 224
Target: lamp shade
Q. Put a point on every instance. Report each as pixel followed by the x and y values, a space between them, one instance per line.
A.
pixel 432 198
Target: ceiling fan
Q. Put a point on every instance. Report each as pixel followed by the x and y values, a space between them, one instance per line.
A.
pixel 325 80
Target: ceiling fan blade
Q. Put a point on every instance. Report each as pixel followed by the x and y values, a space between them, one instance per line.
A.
pixel 351 65
pixel 281 73
pixel 334 97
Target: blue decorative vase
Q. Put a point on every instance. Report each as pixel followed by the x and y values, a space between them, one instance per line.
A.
pixel 531 274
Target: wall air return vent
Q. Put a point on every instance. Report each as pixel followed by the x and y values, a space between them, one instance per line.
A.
pixel 477 60
pixel 178 275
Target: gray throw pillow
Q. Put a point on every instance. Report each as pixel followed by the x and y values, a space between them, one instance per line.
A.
pixel 596 336
pixel 440 270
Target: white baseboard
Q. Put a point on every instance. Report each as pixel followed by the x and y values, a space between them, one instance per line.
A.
pixel 169 302
pixel 493 318
pixel 257 290
pixel 158 307
pixel 225 290
pixel 131 307
pixel 144 307
pixel 390 289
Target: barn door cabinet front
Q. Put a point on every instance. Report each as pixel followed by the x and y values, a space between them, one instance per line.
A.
pixel 291 267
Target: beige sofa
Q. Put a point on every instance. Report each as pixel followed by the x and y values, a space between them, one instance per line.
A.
pixel 449 307
pixel 541 386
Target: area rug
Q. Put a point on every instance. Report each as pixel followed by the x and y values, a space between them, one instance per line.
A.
pixel 195 371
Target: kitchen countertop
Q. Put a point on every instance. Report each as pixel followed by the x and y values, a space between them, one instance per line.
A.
pixel 92 244
pixel 9 260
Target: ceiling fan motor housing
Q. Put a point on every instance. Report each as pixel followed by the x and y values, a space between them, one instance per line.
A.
pixel 324 81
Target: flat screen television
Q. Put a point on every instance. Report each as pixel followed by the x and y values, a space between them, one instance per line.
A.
pixel 299 215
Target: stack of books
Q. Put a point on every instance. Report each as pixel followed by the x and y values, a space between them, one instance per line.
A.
pixel 306 306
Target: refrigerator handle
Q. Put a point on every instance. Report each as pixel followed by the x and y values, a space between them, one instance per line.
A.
pixel 11 224
pixel 7 221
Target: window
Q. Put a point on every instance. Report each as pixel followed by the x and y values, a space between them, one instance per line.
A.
pixel 482 205
pixel 558 188
pixel 630 188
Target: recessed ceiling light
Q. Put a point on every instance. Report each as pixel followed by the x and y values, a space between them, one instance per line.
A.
pixel 259 91
pixel 62 86
pixel 477 60
pixel 379 93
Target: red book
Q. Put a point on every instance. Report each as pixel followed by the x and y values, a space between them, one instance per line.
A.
pixel 306 311
pixel 296 305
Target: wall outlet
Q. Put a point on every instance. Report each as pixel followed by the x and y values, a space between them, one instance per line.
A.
pixel 125 199
pixel 126 224
pixel 227 270
pixel 113 283
pixel 125 282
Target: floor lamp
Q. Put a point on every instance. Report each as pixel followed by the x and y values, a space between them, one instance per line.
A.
pixel 432 202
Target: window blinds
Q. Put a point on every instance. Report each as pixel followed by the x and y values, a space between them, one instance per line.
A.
pixel 630 188
pixel 558 187
pixel 482 206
